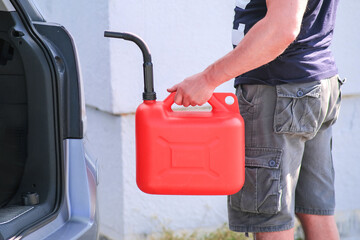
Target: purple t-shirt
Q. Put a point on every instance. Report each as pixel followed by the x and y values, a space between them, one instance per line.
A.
pixel 307 59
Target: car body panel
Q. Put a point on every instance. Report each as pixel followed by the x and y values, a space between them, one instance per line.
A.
pixel 5 5
pixel 57 165
pixel 77 218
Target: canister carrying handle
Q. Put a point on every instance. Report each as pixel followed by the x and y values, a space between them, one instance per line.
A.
pixel 149 93
pixel 217 102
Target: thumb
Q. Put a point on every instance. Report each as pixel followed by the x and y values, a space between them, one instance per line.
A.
pixel 172 89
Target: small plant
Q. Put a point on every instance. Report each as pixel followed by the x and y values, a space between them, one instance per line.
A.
pixel 222 233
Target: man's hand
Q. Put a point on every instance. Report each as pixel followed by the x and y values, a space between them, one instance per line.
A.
pixel 265 41
pixel 194 90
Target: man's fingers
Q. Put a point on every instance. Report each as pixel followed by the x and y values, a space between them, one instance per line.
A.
pixel 178 98
pixel 185 103
pixel 172 89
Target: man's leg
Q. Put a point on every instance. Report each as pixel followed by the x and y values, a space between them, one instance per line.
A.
pixel 317 227
pixel 278 129
pixel 283 235
pixel 315 194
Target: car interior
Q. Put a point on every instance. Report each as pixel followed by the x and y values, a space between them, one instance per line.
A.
pixel 29 149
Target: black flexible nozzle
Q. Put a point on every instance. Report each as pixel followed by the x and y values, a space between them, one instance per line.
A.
pixel 149 93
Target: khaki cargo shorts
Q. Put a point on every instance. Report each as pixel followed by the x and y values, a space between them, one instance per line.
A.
pixel 288 158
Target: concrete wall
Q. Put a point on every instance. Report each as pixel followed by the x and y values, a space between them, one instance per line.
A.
pixel 184 37
pixel 86 21
pixel 346 132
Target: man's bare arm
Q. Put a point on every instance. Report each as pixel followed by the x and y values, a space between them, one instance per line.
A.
pixel 265 41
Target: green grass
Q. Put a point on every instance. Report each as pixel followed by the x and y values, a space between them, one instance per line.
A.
pixel 222 233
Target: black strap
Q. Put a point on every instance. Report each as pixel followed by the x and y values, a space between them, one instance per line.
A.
pixel 6 52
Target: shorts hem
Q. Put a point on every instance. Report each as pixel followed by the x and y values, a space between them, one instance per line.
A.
pixel 325 212
pixel 257 229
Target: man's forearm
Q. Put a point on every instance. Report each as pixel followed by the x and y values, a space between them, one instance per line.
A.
pixel 265 41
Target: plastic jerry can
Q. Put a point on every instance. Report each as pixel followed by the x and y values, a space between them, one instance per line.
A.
pixel 186 152
pixel 190 153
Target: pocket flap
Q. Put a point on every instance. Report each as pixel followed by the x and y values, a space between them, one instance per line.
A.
pixel 311 89
pixel 263 157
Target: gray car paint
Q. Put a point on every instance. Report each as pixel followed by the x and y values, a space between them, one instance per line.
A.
pixel 6 6
pixel 77 218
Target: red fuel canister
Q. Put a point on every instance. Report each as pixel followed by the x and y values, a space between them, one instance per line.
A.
pixel 190 153
pixel 187 152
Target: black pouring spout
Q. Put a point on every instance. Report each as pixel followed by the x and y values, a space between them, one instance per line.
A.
pixel 149 93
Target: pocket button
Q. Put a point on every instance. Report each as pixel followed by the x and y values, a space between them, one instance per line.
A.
pixel 272 163
pixel 300 93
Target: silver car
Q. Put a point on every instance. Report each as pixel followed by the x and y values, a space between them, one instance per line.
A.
pixel 47 180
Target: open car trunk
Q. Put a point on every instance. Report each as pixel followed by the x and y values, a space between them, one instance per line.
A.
pixel 39 108
pixel 28 148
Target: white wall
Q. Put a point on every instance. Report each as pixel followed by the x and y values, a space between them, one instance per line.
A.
pixel 182 45
pixel 184 37
pixel 182 42
pixel 86 21
pixel 346 44
pixel 346 150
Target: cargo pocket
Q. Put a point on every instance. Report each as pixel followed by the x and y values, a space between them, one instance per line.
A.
pixel 298 108
pixel 246 94
pixel 261 192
